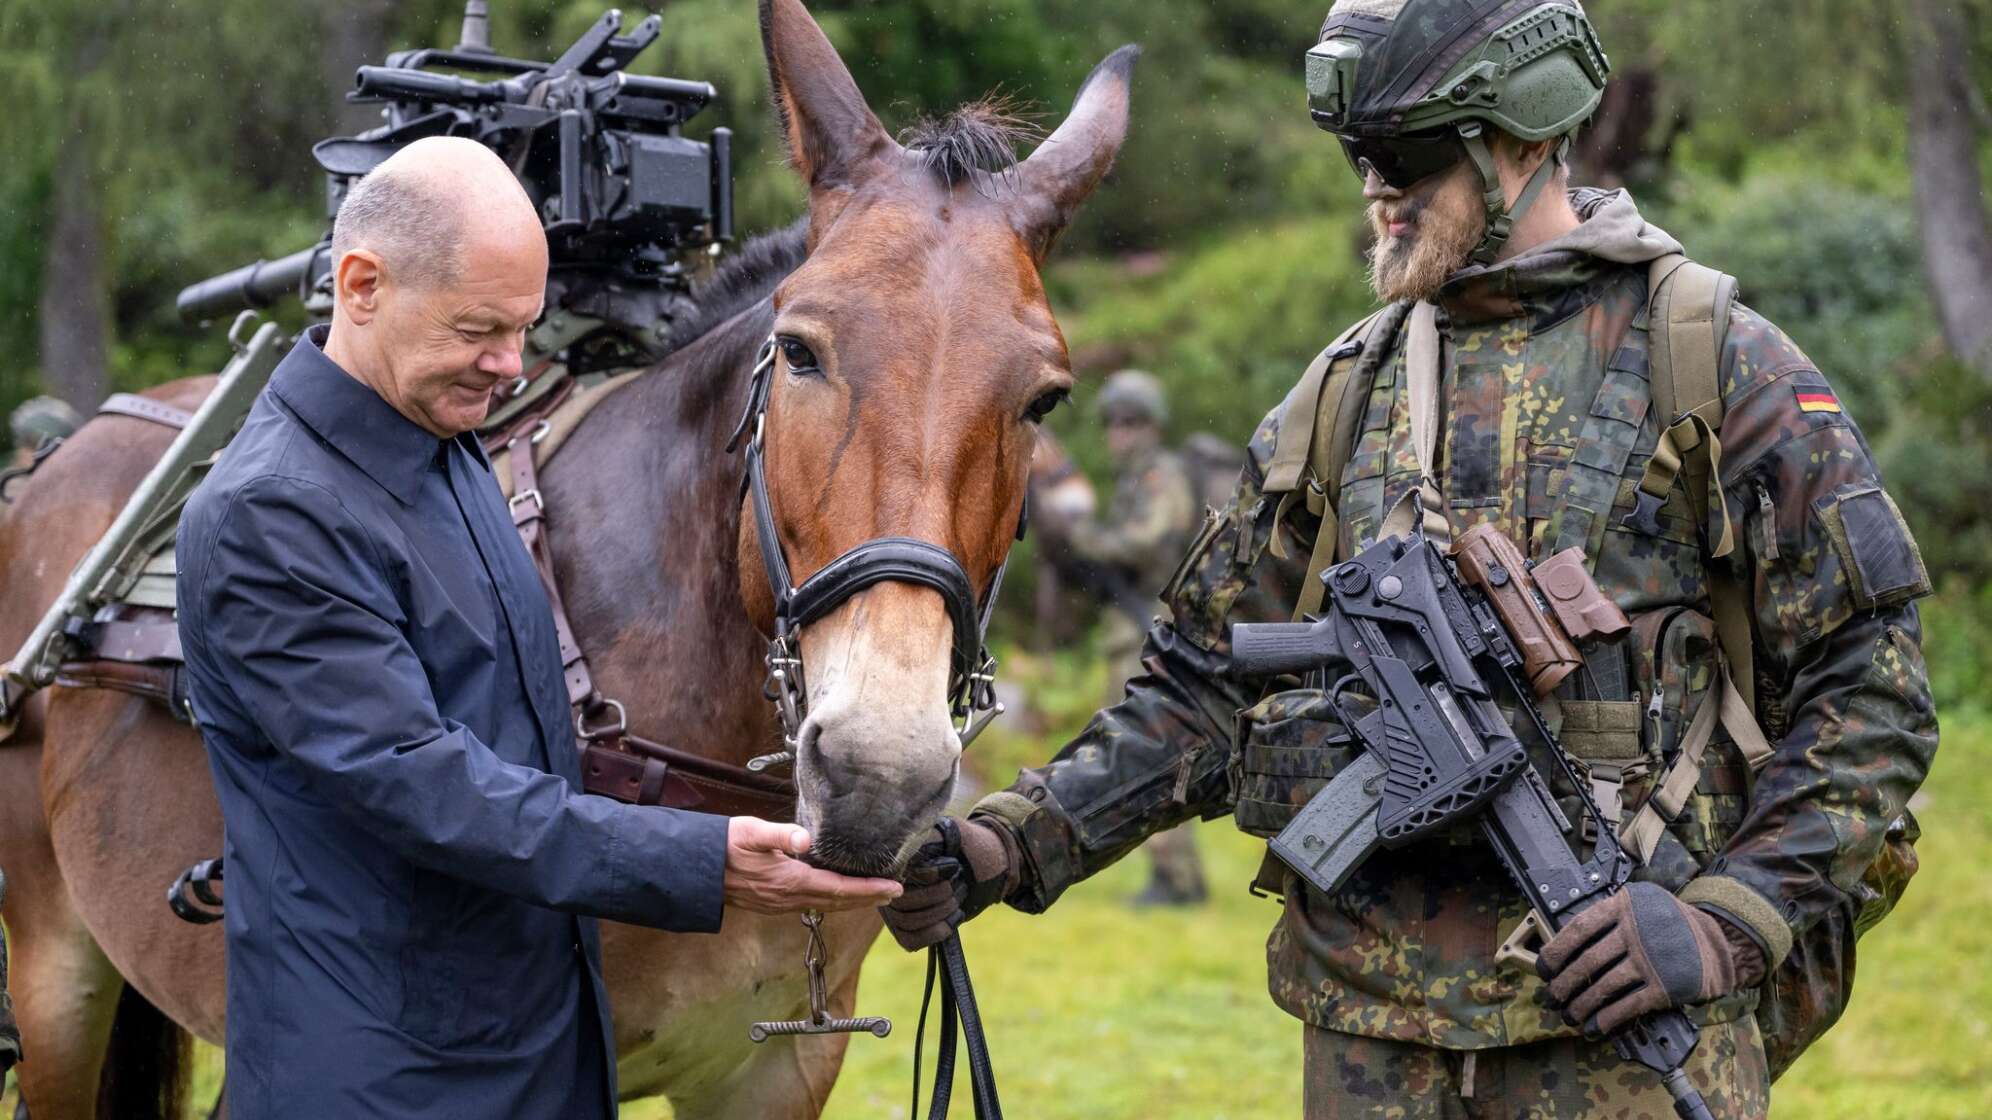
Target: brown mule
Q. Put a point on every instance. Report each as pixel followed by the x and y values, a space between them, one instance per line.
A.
pixel 915 292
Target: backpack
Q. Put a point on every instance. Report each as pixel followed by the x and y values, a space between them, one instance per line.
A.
pixel 1688 312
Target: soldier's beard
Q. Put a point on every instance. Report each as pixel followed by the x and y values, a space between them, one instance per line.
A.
pixel 1444 227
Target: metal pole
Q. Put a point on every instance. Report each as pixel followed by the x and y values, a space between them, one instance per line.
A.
pixel 476 38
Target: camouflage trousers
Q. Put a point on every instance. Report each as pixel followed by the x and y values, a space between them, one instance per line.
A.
pixel 1349 1076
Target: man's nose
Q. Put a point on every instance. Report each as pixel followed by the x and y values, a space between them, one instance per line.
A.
pixel 1374 187
pixel 505 360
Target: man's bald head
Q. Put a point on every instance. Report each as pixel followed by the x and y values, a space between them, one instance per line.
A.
pixel 438 271
pixel 430 205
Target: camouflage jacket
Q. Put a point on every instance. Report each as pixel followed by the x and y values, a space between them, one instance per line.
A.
pixel 1148 521
pixel 1546 433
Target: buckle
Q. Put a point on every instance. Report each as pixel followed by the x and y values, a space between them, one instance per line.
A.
pixel 516 500
pixel 1645 515
pixel 607 731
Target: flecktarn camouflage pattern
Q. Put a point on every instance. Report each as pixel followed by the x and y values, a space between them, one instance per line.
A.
pixel 1548 428
pixel 1347 1077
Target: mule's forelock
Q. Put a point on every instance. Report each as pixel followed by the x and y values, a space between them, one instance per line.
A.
pixel 978 137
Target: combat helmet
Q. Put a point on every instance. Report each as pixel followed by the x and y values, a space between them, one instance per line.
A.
pixel 39 420
pixel 1407 84
pixel 1133 394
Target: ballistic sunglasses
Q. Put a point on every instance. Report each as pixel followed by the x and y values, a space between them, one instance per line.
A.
pixel 1407 159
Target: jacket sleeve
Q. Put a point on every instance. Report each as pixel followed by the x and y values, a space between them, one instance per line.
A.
pixel 296 613
pixel 1161 755
pixel 1834 573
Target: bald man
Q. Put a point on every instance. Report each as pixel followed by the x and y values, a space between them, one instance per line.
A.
pixel 413 870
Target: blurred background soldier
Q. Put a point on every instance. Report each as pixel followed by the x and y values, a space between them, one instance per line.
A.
pixel 36 422
pixel 1129 555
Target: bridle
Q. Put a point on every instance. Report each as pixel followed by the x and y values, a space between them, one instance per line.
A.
pixel 971 703
pixel 972 670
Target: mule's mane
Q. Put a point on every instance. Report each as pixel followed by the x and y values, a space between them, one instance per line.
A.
pixel 743 279
pixel 978 137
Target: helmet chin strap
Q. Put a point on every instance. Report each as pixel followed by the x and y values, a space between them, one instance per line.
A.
pixel 1501 217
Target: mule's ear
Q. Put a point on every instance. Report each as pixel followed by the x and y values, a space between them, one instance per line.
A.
pixel 833 138
pixel 1072 161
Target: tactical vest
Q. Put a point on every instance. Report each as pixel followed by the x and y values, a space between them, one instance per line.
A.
pixel 1668 730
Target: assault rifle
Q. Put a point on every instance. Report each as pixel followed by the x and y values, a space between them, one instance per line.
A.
pixel 1431 641
pixel 625 197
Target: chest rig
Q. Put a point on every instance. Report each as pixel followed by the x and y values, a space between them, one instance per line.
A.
pixel 1666 365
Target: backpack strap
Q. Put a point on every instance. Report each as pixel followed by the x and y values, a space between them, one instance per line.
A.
pixel 1309 455
pixel 1688 312
pixel 1725 705
pixel 1689 308
pixel 1296 441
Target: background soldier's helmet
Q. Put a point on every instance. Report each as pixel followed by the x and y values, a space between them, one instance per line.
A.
pixel 1414 70
pixel 40 419
pixel 1133 394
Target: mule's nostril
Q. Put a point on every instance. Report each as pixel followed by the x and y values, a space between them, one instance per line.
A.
pixel 809 752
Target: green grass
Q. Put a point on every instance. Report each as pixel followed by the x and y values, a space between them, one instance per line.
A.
pixel 1096 1011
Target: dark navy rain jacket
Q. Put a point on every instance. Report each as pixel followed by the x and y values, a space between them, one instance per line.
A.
pixel 412 866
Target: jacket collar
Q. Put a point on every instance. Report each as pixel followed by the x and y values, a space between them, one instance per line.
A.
pixel 1553 280
pixel 390 448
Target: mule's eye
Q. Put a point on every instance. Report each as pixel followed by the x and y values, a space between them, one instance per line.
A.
pixel 1045 402
pixel 800 358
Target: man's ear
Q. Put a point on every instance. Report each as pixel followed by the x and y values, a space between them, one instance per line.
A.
pixel 357 282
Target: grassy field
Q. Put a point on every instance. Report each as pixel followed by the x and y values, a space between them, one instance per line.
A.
pixel 1094 1011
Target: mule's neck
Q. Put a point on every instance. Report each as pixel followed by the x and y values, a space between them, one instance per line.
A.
pixel 646 510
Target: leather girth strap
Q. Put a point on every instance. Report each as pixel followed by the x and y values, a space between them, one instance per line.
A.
pixel 135 651
pixel 615 763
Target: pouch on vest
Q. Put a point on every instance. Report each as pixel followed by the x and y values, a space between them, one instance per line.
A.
pixel 1290 745
pixel 1675 665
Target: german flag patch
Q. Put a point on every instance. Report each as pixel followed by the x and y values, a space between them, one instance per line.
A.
pixel 1816 399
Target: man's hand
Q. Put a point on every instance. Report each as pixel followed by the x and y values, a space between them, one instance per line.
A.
pixel 763 875
pixel 966 866
pixel 1643 950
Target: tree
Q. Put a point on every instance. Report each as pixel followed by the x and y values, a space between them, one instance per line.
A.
pixel 1943 160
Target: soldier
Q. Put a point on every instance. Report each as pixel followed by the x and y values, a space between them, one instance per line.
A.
pixel 10 1032
pixel 37 421
pixel 1149 522
pixel 1766 571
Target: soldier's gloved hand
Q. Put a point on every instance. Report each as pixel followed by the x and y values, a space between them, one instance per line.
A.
pixel 1642 950
pixel 963 869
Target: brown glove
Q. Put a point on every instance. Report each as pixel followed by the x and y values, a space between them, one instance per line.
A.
pixel 1642 950
pixel 965 868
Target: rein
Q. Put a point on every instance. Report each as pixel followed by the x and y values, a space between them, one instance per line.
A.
pixel 971 701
